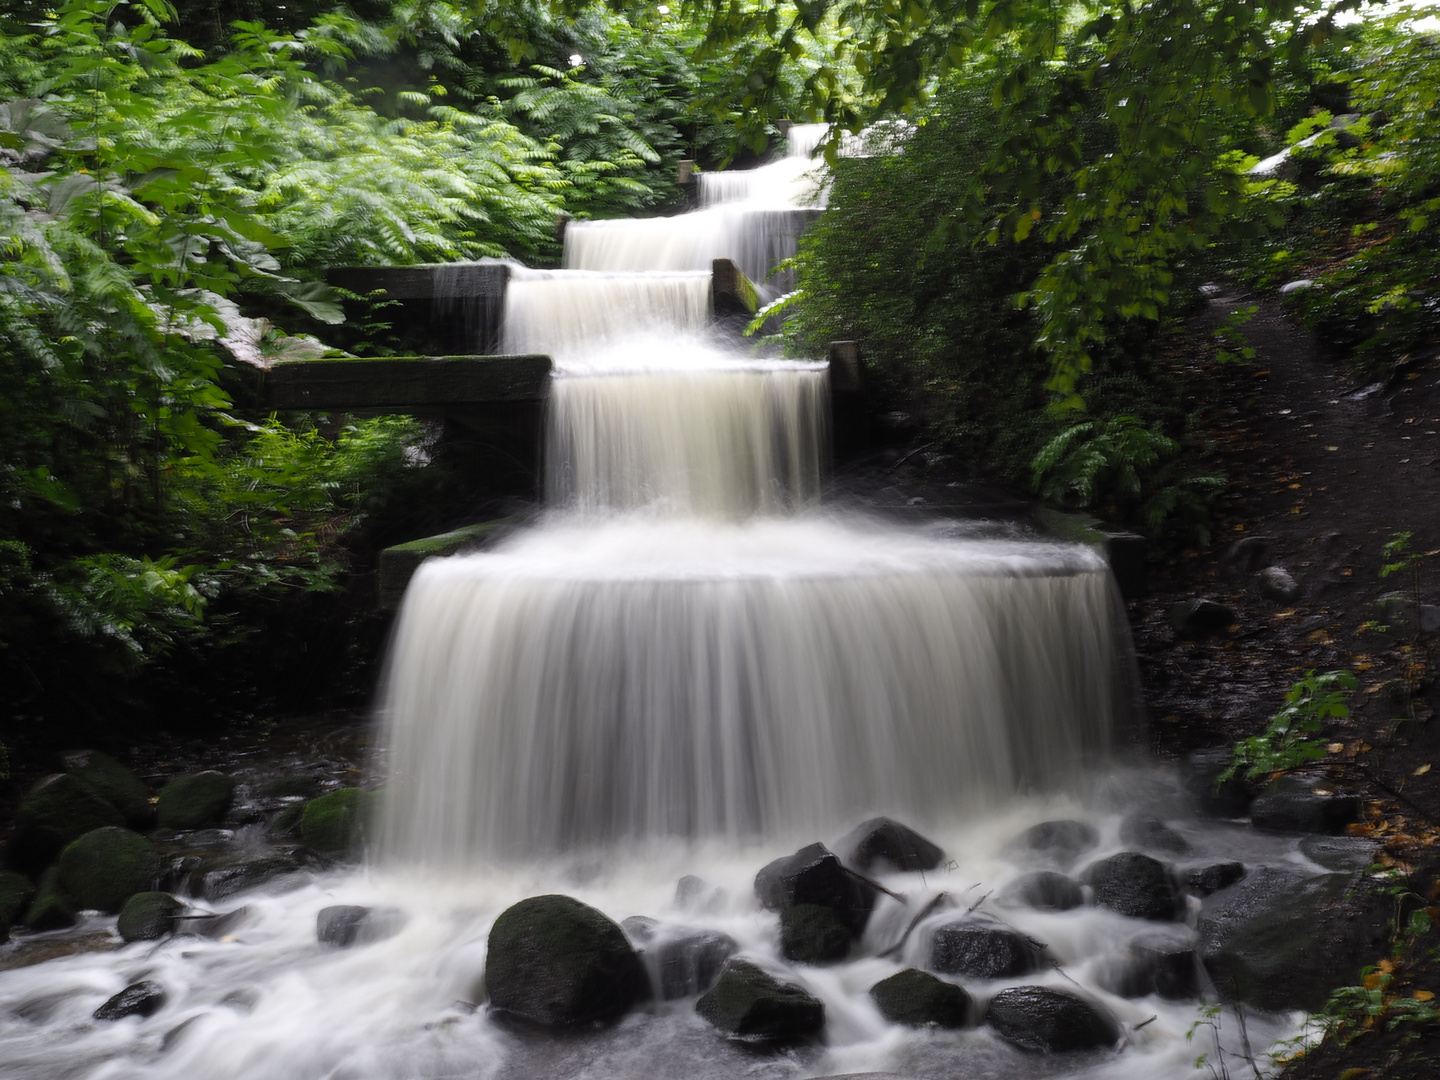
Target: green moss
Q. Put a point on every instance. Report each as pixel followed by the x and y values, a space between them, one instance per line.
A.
pixel 106 867
pixel 114 783
pixel 51 909
pixel 197 801
pixel 812 934
pixel 147 916
pixel 918 998
pixel 335 823
pixel 58 809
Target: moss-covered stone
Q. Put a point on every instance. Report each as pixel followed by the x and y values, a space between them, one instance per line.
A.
pixel 51 909
pixel 106 867
pixel 196 801
pixel 58 809
pixel 286 825
pixel 114 783
pixel 335 823
pixel 148 915
pixel 16 892
pixel 556 962
pixel 751 1004
pixel 918 998
pixel 812 934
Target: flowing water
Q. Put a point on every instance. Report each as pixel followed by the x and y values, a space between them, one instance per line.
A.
pixel 689 667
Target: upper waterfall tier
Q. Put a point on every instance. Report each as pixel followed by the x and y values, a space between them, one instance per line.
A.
pixel 663 678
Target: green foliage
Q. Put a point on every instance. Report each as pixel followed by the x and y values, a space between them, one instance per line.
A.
pixel 1288 742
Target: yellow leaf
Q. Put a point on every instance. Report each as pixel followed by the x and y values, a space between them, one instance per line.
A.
pixel 1387 965
pixel 1364 666
pixel 1335 748
pixel 1423 995
pixel 1422 770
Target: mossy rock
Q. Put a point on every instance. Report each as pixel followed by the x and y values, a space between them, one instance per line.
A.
pixel 335 823
pixel 812 934
pixel 51 909
pixel 106 867
pixel 58 809
pixel 114 783
pixel 148 915
pixel 917 998
pixel 751 1004
pixel 556 962
pixel 196 801
pixel 16 892
pixel 286 825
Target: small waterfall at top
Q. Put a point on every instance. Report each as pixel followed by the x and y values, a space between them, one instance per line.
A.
pixel 688 646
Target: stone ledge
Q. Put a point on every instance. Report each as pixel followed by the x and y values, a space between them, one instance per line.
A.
pixel 397 565
pixel 1124 551
pixel 407 383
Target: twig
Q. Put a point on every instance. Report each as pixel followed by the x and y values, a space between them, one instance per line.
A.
pixel 1144 1023
pixel 873 883
pixel 977 903
pixel 926 910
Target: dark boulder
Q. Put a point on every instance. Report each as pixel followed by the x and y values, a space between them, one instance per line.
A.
pixel 748 1003
pixel 1204 880
pixel 106 867
pixel 1045 890
pixel 336 823
pixel 1060 842
pixel 1135 885
pixel 138 999
pixel 215 925
pixel 147 916
pixel 1152 834
pixel 917 998
pixel 811 934
pixel 16 892
pixel 1200 618
pixel 697 894
pixel 1341 853
pixel 1284 938
pixel 51 909
pixel 556 962
pixel 1156 964
pixel 814 875
pixel 1050 1021
pixel 681 961
pixel 883 844
pixel 343 925
pixel 983 948
pixel 114 783
pixel 1200 773
pixel 242 874
pixel 1297 809
pixel 196 801
pixel 58 810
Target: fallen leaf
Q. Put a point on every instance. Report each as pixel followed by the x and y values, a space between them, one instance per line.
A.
pixel 1335 748
pixel 1422 770
pixel 1423 995
pixel 1332 448
pixel 1364 665
pixel 1386 965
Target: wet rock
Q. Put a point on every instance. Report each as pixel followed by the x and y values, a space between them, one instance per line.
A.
pixel 16 893
pixel 114 783
pixel 983 948
pixel 286 824
pixel 1250 554
pixel 59 809
pixel 698 894
pixel 1060 842
pixel 1283 938
pixel 1204 880
pixel 1135 885
pixel 335 823
pixel 1277 583
pixel 681 961
pixel 748 1003
pixel 917 998
pixel 138 999
pixel 1157 964
pixel 887 845
pixel 51 909
pixel 1045 890
pixel 811 934
pixel 106 867
pixel 556 962
pixel 196 801
pixel 1200 773
pixel 1341 853
pixel 1152 834
pixel 1200 618
pixel 147 916
pixel 1401 616
pixel 344 925
pixel 239 876
pixel 215 925
pixel 1050 1021
pixel 813 875
pixel 1299 810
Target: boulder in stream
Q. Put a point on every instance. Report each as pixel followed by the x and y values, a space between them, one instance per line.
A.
pixel 918 999
pixel 748 1003
pixel 229 876
pixel 682 961
pixel 57 810
pixel 335 823
pixel 1157 963
pixel 886 845
pixel 1059 842
pixel 1135 885
pixel 116 784
pixel 812 934
pixel 51 909
pixel 1152 834
pixel 106 867
pixel 556 962
pixel 195 801
pixel 343 925
pixel 147 916
pixel 814 875
pixel 138 999
pixel 1044 890
pixel 984 948
pixel 1046 1020
pixel 1204 880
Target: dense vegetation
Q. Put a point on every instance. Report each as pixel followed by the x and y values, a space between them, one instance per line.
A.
pixel 175 181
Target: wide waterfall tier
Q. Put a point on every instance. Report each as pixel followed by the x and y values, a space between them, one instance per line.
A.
pixel 705 441
pixel 642 679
